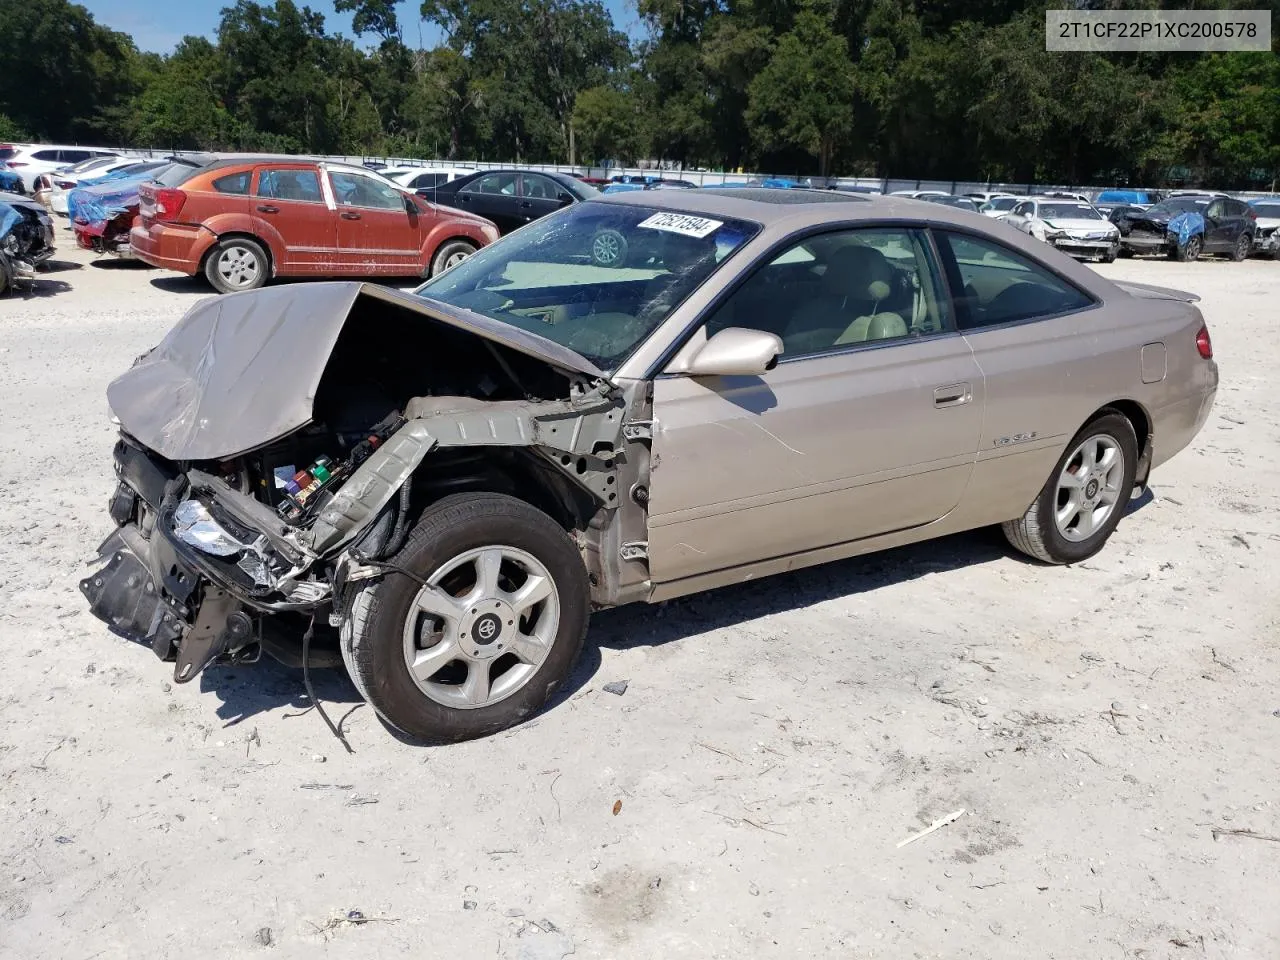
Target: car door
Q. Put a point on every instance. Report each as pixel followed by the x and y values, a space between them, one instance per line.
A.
pixel 1238 215
pixel 540 195
pixel 1021 215
pixel 377 233
pixel 1219 232
pixel 1030 332
pixel 868 424
pixel 496 197
pixel 290 212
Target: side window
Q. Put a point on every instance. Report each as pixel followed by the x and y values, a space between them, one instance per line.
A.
pixel 279 184
pixel 495 183
pixel 1216 211
pixel 73 156
pixel 234 182
pixel 992 284
pixel 1023 209
pixel 838 290
pixel 426 180
pixel 48 156
pixel 539 188
pixel 356 190
pixel 1237 208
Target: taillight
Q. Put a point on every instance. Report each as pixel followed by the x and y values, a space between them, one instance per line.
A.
pixel 66 184
pixel 168 203
pixel 1204 344
pixel 15 164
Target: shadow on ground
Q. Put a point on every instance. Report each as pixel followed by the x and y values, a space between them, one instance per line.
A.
pixel 249 690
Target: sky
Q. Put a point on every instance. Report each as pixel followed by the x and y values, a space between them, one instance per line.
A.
pixel 158 25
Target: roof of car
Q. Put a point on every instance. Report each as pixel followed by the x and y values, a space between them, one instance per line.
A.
pixel 798 207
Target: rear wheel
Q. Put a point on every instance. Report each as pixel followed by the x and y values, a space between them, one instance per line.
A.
pixel 1241 250
pixel 487 639
pixel 237 264
pixel 450 255
pixel 1081 504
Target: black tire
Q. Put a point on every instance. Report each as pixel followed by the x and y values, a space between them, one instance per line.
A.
pixel 1189 251
pixel 608 248
pixel 1110 256
pixel 450 250
pixel 372 636
pixel 1036 532
pixel 253 271
pixel 1126 253
pixel 1244 243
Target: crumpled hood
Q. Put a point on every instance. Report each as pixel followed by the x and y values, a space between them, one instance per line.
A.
pixel 241 370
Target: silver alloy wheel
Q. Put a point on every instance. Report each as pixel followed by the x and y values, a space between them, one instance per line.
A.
pixel 1089 487
pixel 492 607
pixel 605 249
pixel 455 258
pixel 238 266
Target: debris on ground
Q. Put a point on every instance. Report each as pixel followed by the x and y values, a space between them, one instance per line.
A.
pixel 936 825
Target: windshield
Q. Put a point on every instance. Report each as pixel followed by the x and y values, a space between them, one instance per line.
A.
pixel 597 278
pixel 1171 208
pixel 1269 210
pixel 1068 211
pixel 1001 203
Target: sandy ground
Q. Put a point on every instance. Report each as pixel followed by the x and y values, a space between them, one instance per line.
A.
pixel 1096 724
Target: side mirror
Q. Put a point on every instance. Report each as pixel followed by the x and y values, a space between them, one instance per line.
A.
pixel 736 352
pixel 410 207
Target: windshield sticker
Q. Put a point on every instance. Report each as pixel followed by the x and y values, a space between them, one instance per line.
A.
pixel 682 223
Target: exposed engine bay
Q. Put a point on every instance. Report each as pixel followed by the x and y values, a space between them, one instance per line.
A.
pixel 26 239
pixel 276 448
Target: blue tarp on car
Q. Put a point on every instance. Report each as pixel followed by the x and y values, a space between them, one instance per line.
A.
pixel 10 182
pixel 9 218
pixel 98 204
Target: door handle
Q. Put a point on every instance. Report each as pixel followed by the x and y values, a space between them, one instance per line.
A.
pixel 952 395
pixel 350 216
pixel 525 204
pixel 267 208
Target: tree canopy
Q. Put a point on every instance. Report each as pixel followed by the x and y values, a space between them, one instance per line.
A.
pixel 937 89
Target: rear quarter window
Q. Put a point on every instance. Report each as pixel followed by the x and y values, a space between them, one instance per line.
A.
pixel 48 156
pixel 994 285
pixel 237 183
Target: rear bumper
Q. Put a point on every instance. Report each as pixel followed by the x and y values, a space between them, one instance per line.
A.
pixel 1176 425
pixel 170 246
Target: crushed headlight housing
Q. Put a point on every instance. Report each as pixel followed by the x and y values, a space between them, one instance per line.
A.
pixel 193 525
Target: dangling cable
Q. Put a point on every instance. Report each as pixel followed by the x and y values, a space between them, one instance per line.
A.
pixel 306 682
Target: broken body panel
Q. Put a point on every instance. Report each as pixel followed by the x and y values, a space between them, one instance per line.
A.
pixel 209 538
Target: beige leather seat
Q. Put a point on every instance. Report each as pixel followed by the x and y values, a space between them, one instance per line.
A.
pixel 857 280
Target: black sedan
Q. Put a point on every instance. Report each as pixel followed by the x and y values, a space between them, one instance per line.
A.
pixel 510 198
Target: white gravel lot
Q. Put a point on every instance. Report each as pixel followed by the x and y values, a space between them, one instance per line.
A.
pixel 1097 724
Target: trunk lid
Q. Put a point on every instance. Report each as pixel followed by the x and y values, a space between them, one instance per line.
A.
pixel 241 370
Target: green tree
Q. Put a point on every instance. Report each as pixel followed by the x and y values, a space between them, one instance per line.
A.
pixel 804 96
pixel 62 72
pixel 609 124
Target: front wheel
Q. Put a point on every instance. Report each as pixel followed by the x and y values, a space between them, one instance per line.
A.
pixel 1110 256
pixel 450 255
pixel 1080 505
pixel 1189 251
pixel 489 635
pixel 237 264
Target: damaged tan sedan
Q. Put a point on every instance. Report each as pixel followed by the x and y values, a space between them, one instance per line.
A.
pixel 440 486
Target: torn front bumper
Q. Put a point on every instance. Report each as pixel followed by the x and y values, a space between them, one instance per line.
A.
pixel 157 590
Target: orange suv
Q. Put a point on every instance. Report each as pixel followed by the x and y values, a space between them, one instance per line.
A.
pixel 243 221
